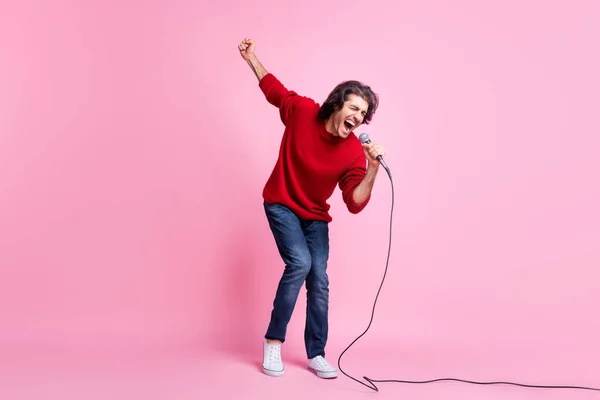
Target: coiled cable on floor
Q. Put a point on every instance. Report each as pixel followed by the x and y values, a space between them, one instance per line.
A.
pixel 370 383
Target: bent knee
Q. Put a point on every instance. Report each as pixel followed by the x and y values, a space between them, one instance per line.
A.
pixel 318 279
pixel 300 263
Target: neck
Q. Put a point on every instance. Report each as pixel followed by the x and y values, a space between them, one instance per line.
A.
pixel 330 128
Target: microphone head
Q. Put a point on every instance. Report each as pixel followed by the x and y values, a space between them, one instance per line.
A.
pixel 364 138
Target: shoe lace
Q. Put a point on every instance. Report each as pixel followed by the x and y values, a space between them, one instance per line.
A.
pixel 274 352
pixel 322 362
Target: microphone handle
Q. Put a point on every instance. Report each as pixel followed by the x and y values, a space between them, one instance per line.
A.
pixel 383 164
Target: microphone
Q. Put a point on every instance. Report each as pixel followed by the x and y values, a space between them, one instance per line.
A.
pixel 364 138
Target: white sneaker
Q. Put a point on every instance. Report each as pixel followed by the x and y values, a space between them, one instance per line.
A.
pixel 272 364
pixel 322 368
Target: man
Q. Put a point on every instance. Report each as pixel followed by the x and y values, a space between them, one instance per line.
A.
pixel 318 151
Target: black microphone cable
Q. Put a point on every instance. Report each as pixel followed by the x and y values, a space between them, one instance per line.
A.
pixel 371 382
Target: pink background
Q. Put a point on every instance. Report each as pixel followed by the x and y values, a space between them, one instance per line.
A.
pixel 134 145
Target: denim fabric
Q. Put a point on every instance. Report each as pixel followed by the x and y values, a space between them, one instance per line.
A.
pixel 304 248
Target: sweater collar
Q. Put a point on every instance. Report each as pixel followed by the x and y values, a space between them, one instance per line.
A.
pixel 328 137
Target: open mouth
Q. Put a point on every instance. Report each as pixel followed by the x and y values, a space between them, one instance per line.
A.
pixel 349 124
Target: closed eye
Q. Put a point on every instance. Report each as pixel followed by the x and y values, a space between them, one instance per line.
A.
pixel 354 108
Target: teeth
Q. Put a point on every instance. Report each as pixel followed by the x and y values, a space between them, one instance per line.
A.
pixel 350 122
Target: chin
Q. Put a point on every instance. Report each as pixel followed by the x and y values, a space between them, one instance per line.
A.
pixel 344 135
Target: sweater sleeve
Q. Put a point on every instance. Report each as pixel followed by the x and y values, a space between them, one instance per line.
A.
pixel 349 181
pixel 282 98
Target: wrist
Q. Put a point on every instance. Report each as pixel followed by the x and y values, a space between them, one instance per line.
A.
pixel 373 166
pixel 257 67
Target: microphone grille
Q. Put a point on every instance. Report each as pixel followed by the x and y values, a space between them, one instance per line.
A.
pixel 364 138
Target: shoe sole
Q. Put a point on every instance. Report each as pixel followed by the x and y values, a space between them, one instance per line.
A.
pixel 324 375
pixel 273 373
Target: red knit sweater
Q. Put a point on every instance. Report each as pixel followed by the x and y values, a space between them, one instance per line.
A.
pixel 311 161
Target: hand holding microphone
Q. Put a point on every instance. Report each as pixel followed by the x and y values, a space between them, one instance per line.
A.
pixel 373 151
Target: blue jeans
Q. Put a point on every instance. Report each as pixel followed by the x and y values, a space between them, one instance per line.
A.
pixel 304 248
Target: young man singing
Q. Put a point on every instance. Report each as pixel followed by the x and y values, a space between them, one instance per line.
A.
pixel 319 151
